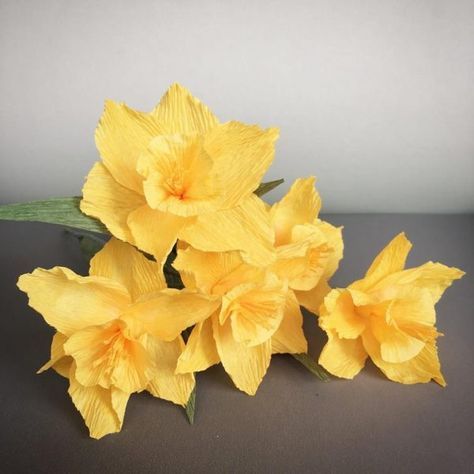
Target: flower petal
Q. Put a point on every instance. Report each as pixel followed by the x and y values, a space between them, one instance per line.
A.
pixel 180 112
pixel 343 357
pixel 241 154
pixel 390 260
pixel 124 264
pixel 101 415
pixel 303 261
pixel 155 232
pixel 119 401
pixel 434 277
pixel 207 269
pixel 121 136
pixel 343 317
pixel 103 356
pixel 166 383
pixel 301 205
pixel 313 299
pixel 200 351
pixel 309 264
pixel 420 369
pixel 110 202
pixel 245 365
pixel 395 345
pixel 245 228
pixel 178 176
pixel 322 257
pixel 167 313
pixel 59 361
pixel 255 309
pixel 313 254
pixel 336 245
pixel 56 294
pixel 289 337
pixel 414 313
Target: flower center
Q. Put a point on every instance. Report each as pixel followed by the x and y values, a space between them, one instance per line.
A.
pixel 177 175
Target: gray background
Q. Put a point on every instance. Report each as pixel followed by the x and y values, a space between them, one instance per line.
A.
pixel 295 424
pixel 374 97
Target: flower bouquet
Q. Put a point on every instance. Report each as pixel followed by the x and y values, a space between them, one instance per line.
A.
pixel 190 267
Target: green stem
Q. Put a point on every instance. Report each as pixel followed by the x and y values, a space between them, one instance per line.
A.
pixel 191 406
pixel 312 366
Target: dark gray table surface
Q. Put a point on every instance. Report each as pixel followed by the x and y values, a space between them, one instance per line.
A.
pixel 295 423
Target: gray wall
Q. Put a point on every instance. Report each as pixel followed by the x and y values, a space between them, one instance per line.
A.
pixel 374 97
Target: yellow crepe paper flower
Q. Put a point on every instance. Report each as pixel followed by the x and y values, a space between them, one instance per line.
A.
pixel 178 172
pixel 389 316
pixel 116 332
pixel 257 316
pixel 308 250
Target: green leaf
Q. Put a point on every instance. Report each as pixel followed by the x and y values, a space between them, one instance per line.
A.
pixel 265 188
pixel 312 366
pixel 89 243
pixel 64 211
pixel 191 406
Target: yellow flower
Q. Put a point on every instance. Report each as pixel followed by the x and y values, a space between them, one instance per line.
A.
pixel 110 340
pixel 178 172
pixel 308 249
pixel 257 316
pixel 389 316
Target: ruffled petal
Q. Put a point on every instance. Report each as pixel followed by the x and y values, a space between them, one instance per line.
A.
pixel 241 155
pixel 335 245
pixel 119 401
pixel 166 383
pixel 121 136
pixel 70 302
pixel 313 298
pixel 180 112
pixel 110 202
pixel 167 313
pixel 313 255
pixel 200 351
pixel 395 345
pixel 433 277
pixel 390 260
pixel 179 177
pixel 105 357
pixel 246 365
pixel 207 269
pixel 123 263
pixel 289 337
pixel 301 205
pixel 420 369
pixel 101 415
pixel 414 313
pixel 343 317
pixel 303 261
pixel 245 228
pixel 59 361
pixel 255 309
pixel 343 357
pixel 155 232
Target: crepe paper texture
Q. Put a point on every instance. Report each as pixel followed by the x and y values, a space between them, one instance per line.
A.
pixel 189 268
pixel 389 316
pixel 110 342
pixel 65 211
pixel 177 172
pixel 259 312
